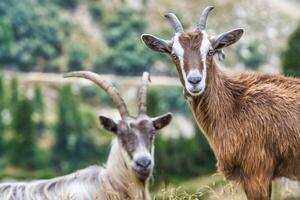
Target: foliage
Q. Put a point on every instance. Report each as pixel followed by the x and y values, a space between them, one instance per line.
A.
pixel 163 101
pixel 253 57
pixel 6 40
pixel 39 109
pixel 31 36
pixel 96 10
pixel 14 94
pixel 73 146
pixel 290 57
pixel 126 54
pixel 68 4
pixel 77 58
pixel 172 161
pixel 2 107
pixel 38 100
pixel 23 143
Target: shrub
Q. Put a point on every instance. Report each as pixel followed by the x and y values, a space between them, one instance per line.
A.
pixel 73 146
pixel 126 55
pixel 23 143
pixel 96 9
pixel 290 57
pixel 31 36
pixel 172 161
pixel 77 58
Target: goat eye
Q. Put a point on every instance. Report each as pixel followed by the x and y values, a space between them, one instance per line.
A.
pixel 174 56
pixel 211 52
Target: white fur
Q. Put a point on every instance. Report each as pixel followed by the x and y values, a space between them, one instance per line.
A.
pixel 204 48
pixel 179 51
pixel 91 183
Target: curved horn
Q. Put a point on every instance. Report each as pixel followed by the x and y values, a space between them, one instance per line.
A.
pixel 142 94
pixel 203 18
pixel 175 23
pixel 106 86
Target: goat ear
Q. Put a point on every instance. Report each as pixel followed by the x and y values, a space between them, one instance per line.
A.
pixel 226 39
pixel 156 44
pixel 162 121
pixel 108 124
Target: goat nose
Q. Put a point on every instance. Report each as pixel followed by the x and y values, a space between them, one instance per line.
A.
pixel 143 162
pixel 194 80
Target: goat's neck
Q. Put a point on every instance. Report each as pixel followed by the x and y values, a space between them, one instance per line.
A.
pixel 217 104
pixel 120 182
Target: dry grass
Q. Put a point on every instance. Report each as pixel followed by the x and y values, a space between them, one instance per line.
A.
pixel 212 187
pixel 215 188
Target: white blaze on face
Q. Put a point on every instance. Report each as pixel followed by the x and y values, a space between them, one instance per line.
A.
pixel 179 51
pixel 204 48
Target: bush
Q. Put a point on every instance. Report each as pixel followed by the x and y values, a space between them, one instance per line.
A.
pixel 172 161
pixel 73 146
pixel 68 4
pixel 31 36
pixel 96 9
pixel 77 57
pixel 253 58
pixel 23 144
pixel 290 57
pixel 126 54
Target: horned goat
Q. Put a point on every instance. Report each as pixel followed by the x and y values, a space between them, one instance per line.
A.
pixel 130 162
pixel 251 120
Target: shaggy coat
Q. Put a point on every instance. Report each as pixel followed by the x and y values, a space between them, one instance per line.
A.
pixel 130 162
pixel 252 122
pixel 115 181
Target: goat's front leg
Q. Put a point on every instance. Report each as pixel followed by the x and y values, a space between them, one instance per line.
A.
pixel 258 188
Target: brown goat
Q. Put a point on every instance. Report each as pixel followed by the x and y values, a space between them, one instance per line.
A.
pixel 251 120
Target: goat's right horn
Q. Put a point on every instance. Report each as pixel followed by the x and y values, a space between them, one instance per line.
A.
pixel 142 94
pixel 175 23
pixel 203 18
pixel 106 86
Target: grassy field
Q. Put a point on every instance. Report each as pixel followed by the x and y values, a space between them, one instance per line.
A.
pixel 215 187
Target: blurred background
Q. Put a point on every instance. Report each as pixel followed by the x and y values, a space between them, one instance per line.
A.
pixel 49 126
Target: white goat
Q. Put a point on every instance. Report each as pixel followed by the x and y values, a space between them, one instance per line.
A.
pixel 129 166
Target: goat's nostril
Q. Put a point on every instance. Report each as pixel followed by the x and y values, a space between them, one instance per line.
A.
pixel 143 162
pixel 194 80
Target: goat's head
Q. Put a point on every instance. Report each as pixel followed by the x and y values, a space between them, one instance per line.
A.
pixel 135 134
pixel 193 52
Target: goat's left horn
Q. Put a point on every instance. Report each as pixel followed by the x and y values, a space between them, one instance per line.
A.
pixel 175 23
pixel 106 86
pixel 142 93
pixel 203 18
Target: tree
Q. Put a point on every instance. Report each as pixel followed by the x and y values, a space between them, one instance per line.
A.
pixel 23 143
pixel 14 95
pixel 31 36
pixel 77 58
pixel 38 100
pixel 290 57
pixel 253 58
pixel 170 154
pixel 2 107
pixel 125 54
pixel 72 144
pixel 39 108
pixel 68 4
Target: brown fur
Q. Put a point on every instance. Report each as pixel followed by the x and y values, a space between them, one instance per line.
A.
pixel 191 43
pixel 252 122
